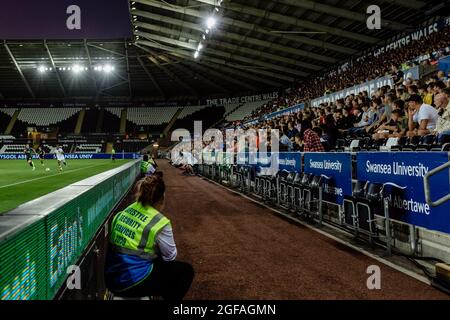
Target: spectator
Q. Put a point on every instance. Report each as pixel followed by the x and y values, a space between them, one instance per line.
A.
pixel 292 131
pixel 298 146
pixel 394 128
pixel 443 123
pixel 428 97
pixel 422 117
pixel 311 140
pixel 440 98
pixel 378 109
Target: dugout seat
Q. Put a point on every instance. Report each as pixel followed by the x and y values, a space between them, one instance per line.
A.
pixel 359 192
pixel 285 184
pixel 281 184
pixel 360 209
pixel 312 194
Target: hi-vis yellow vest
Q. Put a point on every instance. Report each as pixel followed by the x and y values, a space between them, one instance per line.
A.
pixel 134 231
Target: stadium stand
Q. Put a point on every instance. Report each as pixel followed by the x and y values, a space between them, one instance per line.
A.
pixel 244 110
pixel 5 117
pixel 12 148
pixel 46 116
pixel 89 148
pixel 130 145
pixel 115 111
pixel 187 111
pixel 151 116
pixel 363 121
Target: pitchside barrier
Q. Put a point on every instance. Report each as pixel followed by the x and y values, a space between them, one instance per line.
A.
pixel 86 156
pixel 405 170
pixel 42 239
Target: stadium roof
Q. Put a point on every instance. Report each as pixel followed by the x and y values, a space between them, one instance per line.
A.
pixel 256 45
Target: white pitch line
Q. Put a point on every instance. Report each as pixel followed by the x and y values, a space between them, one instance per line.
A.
pixel 40 178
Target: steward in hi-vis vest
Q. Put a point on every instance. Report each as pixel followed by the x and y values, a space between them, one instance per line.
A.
pixel 134 231
pixel 140 261
pixel 147 167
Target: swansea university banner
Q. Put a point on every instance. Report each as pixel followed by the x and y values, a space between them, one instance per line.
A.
pixel 407 170
pixel 65 19
pixel 289 161
pixel 337 167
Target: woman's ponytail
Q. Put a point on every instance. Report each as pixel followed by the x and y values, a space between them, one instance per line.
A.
pixel 150 190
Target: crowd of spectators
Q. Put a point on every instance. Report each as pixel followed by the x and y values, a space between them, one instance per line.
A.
pixel 426 51
pixel 413 110
pixel 409 108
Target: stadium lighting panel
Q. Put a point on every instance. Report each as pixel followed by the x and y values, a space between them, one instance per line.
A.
pixel 77 69
pixel 211 22
pixel 108 68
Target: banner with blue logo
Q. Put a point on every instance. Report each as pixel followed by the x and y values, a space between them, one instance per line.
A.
pixel 289 161
pixel 337 167
pixel 89 156
pixel 413 73
pixel 407 170
pixel 287 111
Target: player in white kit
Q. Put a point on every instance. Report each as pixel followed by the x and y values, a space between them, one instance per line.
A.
pixel 60 157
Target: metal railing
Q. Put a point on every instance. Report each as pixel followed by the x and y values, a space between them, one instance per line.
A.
pixel 427 186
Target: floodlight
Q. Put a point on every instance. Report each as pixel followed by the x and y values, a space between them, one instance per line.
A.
pixel 77 69
pixel 211 22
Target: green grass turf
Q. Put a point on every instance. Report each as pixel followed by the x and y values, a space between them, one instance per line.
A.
pixel 19 184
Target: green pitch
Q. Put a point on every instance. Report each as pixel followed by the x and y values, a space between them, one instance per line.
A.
pixel 19 184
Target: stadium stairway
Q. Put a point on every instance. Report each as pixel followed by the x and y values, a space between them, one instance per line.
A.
pixel 99 125
pixel 12 122
pixel 172 122
pixel 80 121
pixel 241 250
pixel 123 120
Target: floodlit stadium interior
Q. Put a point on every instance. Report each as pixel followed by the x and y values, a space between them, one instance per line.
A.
pixel 196 150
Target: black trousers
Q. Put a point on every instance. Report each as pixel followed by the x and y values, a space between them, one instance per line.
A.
pixel 169 280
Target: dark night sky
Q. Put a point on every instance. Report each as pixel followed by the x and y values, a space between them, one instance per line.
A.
pixel 46 19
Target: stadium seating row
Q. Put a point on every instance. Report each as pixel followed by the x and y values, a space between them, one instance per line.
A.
pixel 245 110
